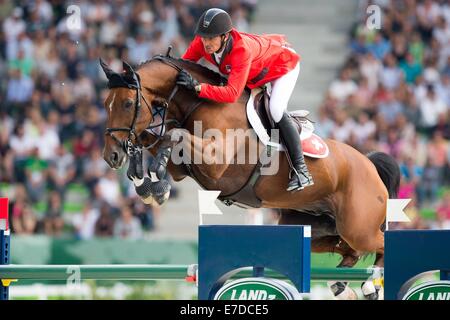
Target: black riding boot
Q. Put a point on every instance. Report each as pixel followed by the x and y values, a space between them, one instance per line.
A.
pixel 300 177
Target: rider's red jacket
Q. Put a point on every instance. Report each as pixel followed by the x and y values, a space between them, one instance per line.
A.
pixel 248 60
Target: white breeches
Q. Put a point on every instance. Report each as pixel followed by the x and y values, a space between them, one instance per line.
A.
pixel 281 93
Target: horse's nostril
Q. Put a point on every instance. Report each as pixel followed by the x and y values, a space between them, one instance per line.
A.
pixel 114 157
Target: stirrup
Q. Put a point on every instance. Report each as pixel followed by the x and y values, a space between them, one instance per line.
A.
pixel 298 175
pixel 299 185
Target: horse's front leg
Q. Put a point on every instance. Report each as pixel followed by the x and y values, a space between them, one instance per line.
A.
pixel 155 189
pixel 135 173
pixel 157 171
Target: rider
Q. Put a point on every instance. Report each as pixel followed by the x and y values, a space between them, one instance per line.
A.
pixel 249 60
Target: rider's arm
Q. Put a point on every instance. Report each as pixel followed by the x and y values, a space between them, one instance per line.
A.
pixel 240 68
pixel 195 50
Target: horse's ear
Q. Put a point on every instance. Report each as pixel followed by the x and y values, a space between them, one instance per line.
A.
pixel 127 68
pixel 108 72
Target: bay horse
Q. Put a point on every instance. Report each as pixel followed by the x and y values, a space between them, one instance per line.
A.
pixel 346 207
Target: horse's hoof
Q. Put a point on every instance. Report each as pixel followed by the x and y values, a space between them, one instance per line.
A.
pixel 161 191
pixel 149 200
pixel 377 295
pixel 372 296
pixel 342 291
pixel 163 198
pixel 370 291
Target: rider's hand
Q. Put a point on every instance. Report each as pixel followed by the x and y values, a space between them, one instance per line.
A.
pixel 185 79
pixel 135 169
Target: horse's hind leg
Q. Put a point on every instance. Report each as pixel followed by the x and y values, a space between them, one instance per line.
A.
pixel 372 289
pixel 340 289
pixel 360 222
pixel 324 239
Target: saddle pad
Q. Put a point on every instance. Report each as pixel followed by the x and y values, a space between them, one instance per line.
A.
pixel 313 146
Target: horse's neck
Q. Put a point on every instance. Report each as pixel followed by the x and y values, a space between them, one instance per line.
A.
pixel 183 104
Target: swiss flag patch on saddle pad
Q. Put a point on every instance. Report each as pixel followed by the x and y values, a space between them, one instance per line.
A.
pixel 315 147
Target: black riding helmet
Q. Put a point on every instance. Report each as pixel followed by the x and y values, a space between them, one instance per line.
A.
pixel 213 22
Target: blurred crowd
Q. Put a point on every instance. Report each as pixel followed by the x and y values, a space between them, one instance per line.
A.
pixel 393 95
pixel 51 106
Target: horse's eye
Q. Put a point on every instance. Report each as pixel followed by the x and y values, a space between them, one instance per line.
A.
pixel 128 104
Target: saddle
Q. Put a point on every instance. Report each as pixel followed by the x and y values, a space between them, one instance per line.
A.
pixel 258 115
pixel 260 120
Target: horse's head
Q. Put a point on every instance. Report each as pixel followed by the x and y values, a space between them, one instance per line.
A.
pixel 129 107
pixel 133 105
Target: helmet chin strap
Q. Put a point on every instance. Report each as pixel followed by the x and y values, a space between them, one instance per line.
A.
pixel 222 42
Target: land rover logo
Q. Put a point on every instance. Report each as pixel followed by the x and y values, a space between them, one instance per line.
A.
pixel 436 290
pixel 257 289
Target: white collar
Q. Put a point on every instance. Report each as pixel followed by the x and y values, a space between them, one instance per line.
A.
pixel 218 56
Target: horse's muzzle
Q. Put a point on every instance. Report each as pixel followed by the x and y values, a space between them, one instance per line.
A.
pixel 115 158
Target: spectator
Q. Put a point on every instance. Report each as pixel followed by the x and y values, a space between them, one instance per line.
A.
pixel 364 128
pixel 417 48
pixel 411 69
pixel 14 25
pixel 443 89
pixel 147 215
pixel 391 75
pixel 344 126
pixel 370 68
pixel 22 216
pixel 21 146
pixel 359 46
pixel 430 182
pixel 443 211
pixel 127 226
pixel 380 47
pixel 439 149
pixel 391 108
pixel 362 98
pixel 431 108
pixel 36 172
pixel 61 170
pixel 19 91
pixel 85 222
pixel 104 226
pixel 82 148
pixel 47 141
pixel 53 220
pixel 324 127
pixel 344 87
pixel 108 189
pixel 94 168
pixel 139 49
pixel 22 63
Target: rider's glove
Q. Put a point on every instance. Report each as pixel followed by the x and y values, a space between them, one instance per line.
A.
pixel 185 79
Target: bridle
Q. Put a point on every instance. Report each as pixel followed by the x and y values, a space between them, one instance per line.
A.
pixel 128 146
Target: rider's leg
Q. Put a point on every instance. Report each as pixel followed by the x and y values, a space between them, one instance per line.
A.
pixel 282 89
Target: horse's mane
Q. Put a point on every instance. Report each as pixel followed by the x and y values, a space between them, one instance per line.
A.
pixel 211 76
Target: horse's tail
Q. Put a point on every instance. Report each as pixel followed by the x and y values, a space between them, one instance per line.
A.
pixel 388 170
